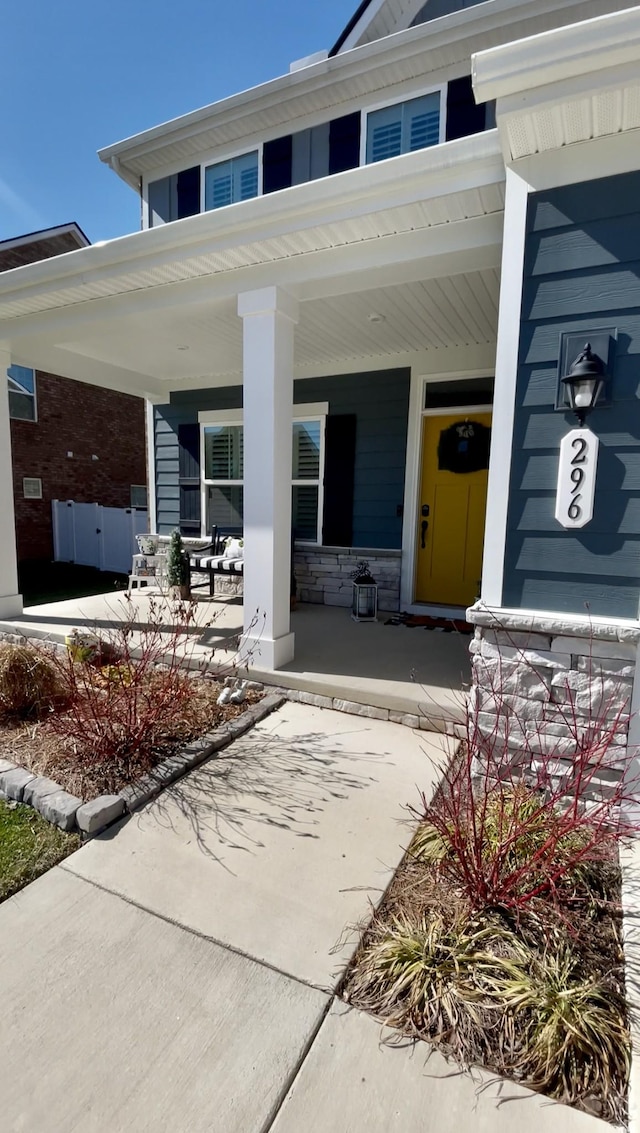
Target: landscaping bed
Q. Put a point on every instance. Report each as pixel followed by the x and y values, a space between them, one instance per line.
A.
pixel 499 941
pixel 96 727
pixel 29 846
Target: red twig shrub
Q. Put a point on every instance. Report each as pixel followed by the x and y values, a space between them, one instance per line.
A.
pixel 119 714
pixel 518 812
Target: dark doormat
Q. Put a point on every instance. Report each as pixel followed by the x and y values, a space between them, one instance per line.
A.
pixel 424 621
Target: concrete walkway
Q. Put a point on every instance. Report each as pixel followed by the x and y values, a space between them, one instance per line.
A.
pixel 177 974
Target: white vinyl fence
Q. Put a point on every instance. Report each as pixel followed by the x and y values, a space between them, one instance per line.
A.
pixel 92 535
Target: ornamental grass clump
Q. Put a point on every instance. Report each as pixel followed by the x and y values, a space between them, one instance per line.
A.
pixel 30 685
pixel 500 938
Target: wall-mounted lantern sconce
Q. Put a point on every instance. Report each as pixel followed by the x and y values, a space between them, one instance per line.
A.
pixel 585 383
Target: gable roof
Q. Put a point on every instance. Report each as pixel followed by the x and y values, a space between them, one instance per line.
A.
pixel 375 19
pixel 41 245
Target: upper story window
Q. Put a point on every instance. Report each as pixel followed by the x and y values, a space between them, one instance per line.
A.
pixel 22 393
pixel 403 127
pixel 231 181
pixel 362 137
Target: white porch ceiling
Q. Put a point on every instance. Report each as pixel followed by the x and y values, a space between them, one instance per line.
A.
pixel 461 310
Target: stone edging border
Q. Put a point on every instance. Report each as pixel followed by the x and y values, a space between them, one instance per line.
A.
pixel 69 813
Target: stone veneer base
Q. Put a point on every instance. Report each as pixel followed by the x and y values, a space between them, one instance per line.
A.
pixel 323 574
pixel 531 672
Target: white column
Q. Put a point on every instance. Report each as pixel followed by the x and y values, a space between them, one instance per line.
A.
pixel 10 600
pixel 269 318
pixel 504 397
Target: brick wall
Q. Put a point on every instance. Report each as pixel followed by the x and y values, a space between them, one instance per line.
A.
pixel 87 421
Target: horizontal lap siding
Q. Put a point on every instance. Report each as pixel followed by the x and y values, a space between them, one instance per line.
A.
pixel 582 270
pixel 380 402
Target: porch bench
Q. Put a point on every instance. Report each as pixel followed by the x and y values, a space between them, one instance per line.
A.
pixel 213 561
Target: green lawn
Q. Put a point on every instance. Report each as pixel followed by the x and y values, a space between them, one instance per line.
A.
pixel 29 846
pixel 42 582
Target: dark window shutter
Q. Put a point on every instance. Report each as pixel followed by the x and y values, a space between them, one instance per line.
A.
pixel 464 117
pixel 276 164
pixel 189 192
pixel 189 478
pixel 339 473
pixel 344 144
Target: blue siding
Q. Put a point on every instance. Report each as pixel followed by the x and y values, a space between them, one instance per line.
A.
pixel 380 401
pixel 582 269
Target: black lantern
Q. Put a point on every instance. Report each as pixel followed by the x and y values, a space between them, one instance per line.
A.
pixel 585 382
pixel 364 607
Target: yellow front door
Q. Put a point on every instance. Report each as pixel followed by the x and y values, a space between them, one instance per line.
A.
pixel 451 508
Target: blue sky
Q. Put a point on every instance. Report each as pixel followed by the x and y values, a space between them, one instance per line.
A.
pixel 79 75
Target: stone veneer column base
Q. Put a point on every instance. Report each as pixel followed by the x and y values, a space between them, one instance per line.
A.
pixel 531 672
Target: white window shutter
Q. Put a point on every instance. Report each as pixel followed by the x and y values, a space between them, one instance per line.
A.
pixel 422 122
pixel 384 134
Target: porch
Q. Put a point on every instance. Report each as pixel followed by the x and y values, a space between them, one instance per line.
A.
pixel 327 310
pixel 408 671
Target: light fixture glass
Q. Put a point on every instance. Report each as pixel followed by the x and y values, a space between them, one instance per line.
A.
pixel 585 382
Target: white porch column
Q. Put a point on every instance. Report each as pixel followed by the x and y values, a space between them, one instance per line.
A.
pixel 10 600
pixel 269 317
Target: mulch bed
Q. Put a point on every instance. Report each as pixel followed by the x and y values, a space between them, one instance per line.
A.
pixel 592 928
pixel 34 746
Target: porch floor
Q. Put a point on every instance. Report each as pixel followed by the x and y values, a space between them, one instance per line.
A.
pixel 413 671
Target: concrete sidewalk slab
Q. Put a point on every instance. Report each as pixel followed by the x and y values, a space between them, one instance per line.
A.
pixel 113 1019
pixel 353 1082
pixel 279 845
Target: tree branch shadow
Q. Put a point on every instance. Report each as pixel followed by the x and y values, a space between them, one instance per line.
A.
pixel 264 782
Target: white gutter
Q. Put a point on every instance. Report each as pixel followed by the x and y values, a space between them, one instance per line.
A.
pixel 557 55
pixel 424 174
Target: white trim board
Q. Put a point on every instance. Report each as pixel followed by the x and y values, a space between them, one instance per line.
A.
pixel 509 312
pixel 413 468
pixel 302 411
pixel 150 438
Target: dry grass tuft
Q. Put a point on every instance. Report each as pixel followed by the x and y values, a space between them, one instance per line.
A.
pixel 30 686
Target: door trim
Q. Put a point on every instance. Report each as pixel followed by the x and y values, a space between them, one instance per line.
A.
pixel 413 468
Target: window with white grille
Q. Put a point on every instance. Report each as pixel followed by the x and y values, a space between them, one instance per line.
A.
pixel 223 472
pixel 32 488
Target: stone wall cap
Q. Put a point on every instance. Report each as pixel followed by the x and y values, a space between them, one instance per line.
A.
pixel 359 552
pixel 565 625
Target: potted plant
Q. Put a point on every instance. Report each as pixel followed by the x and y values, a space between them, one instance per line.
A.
pixel 177 568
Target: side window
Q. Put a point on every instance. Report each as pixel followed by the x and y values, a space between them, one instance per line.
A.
pixel 231 181
pixel 403 128
pixel 22 393
pixel 174 197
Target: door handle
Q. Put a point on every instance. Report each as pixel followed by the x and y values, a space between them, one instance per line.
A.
pixel 423 532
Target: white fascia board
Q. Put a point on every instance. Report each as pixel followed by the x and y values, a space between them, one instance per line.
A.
pixel 425 40
pixel 556 55
pixel 46 234
pixel 436 171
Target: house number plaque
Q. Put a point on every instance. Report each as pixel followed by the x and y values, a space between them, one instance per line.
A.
pixel 576 478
